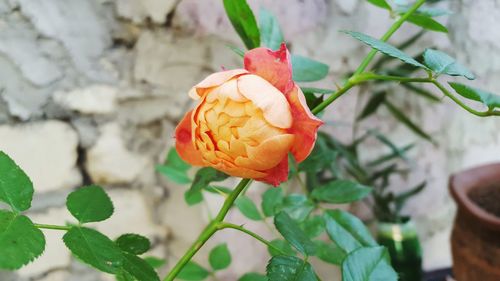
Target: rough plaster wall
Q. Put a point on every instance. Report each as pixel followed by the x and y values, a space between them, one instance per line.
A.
pixel 90 91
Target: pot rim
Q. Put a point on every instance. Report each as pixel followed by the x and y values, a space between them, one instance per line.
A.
pixel 462 183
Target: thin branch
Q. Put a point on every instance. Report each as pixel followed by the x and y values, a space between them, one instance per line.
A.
pixel 52 227
pixel 253 234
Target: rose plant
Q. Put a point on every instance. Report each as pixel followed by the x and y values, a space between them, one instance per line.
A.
pixel 258 123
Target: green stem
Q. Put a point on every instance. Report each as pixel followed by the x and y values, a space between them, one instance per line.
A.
pixel 228 203
pixel 462 104
pixel 53 227
pixel 349 84
pixel 402 46
pixel 358 79
pixel 363 77
pixel 214 277
pixel 253 234
pixel 395 26
pixel 209 230
pixel 320 107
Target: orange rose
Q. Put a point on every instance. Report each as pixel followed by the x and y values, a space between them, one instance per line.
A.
pixel 248 120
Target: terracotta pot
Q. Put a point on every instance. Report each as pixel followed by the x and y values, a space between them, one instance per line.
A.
pixel 475 240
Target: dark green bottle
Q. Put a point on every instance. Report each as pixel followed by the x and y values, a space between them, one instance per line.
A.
pixel 404 247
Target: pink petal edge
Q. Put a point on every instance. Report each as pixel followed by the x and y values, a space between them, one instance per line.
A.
pixel 305 125
pixel 274 66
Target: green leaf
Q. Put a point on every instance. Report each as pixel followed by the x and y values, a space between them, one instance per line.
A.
pixel 205 176
pixel 401 198
pixel 90 204
pixel 237 50
pixel 218 189
pixel 220 257
pixel 384 140
pixel 341 191
pixel 248 208
pixel 193 197
pixel 313 226
pixel 401 46
pixel 427 23
pixel 284 268
pixel 381 4
pixel 384 174
pixel 175 161
pixel 155 262
pixel 293 234
pixel 329 252
pixel 308 70
pixel 399 115
pixel 403 6
pixel 292 164
pixel 421 92
pixel 390 156
pixel 20 241
pixel 272 198
pixel 372 105
pixel 253 276
pixel 202 180
pixel 312 90
pixel 411 41
pixel 367 264
pixel 385 48
pixel 175 168
pixel 311 101
pixel 270 31
pixel 433 12
pixel 243 21
pixel 124 276
pixel 322 157
pixel 347 231
pixel 347 153
pixel 133 243
pixel 488 99
pixel 442 63
pixel 139 268
pixel 283 245
pixel 404 69
pixel 174 174
pixel 94 248
pixel 297 206
pixel 16 188
pixel 193 272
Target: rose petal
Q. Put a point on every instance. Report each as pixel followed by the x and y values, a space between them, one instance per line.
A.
pixel 240 172
pixel 214 80
pixel 258 129
pixel 267 154
pixel 234 109
pixel 228 90
pixel 305 125
pixel 184 142
pixel 278 174
pixel 266 97
pixel 274 66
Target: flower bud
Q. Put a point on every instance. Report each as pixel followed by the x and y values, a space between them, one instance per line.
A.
pixel 248 120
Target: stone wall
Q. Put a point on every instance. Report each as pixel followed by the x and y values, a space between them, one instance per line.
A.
pixel 90 92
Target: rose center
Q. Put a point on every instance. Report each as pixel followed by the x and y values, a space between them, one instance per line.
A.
pixel 226 128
